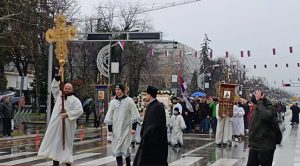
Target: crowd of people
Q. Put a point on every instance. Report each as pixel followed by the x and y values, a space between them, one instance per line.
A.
pixel 155 128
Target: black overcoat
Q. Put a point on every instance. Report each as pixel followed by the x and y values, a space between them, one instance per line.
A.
pixel 153 149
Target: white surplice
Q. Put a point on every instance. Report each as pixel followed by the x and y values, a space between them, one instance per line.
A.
pixel 238 120
pixel 51 146
pixel 121 114
pixel 177 124
pixel 224 128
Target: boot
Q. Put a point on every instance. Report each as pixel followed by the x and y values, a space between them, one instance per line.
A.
pixel 128 160
pixel 119 160
pixel 132 145
pixel 55 162
pixel 179 145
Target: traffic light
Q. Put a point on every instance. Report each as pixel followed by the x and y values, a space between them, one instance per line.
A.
pixel 286 85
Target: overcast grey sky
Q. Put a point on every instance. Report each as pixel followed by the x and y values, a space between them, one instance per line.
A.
pixel 234 26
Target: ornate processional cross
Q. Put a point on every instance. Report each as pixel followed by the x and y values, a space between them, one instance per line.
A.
pixel 60 35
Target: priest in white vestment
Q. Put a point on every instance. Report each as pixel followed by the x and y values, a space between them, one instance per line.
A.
pixel 121 118
pixel 52 146
pixel 224 129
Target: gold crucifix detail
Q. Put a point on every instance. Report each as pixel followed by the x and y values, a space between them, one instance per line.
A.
pixel 61 34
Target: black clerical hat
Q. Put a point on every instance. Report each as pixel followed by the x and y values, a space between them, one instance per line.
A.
pixel 151 90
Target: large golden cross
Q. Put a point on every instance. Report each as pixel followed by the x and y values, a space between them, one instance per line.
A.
pixel 61 34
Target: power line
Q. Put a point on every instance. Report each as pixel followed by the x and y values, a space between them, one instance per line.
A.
pixel 153 8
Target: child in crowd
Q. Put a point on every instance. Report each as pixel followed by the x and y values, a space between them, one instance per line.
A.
pixel 177 124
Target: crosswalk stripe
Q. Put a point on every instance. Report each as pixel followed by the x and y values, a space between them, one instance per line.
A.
pixel 185 161
pixel 296 164
pixel 16 155
pixel 201 147
pixel 82 151
pixel 77 157
pixel 87 141
pixel 24 160
pixel 100 161
pixel 225 162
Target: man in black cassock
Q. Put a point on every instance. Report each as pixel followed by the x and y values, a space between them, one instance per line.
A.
pixel 153 149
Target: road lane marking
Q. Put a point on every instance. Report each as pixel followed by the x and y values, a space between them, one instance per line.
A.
pixel 201 147
pixel 76 157
pixel 16 155
pixel 82 151
pixel 100 161
pixel 185 161
pixel 24 160
pixel 225 162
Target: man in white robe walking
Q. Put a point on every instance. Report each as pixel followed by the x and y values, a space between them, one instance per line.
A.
pixel 51 146
pixel 121 118
pixel 224 129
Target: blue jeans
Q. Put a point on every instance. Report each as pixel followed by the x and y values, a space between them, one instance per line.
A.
pixel 214 124
pixel 205 123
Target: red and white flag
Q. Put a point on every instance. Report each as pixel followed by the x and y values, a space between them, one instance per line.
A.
pixel 150 51
pixel 183 88
pixel 180 53
pixel 248 53
pixel 121 44
pixel 291 49
pixel 274 51
pixel 166 52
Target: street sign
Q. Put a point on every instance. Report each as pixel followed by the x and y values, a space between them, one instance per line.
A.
pixel 125 36
pixel 22 83
pixel 114 67
pixel 174 78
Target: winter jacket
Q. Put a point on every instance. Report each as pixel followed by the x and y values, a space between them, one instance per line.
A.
pixel 6 110
pixel 262 133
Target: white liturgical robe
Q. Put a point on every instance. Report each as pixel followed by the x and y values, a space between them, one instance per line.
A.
pixel 51 146
pixel 121 114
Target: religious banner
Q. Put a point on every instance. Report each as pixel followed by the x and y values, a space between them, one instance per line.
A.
pixel 227 97
pixel 101 95
pixel 163 96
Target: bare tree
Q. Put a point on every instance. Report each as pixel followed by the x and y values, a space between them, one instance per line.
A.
pixel 114 16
